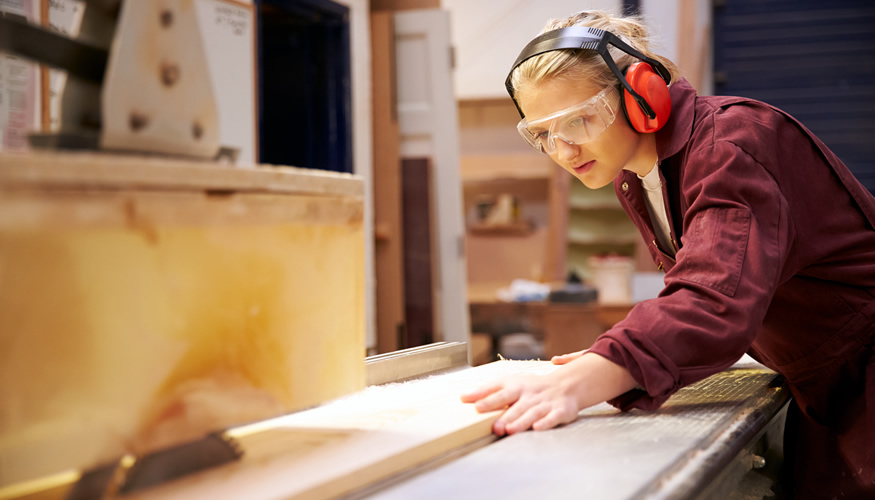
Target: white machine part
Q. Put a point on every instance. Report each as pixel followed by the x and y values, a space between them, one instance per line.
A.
pixel 174 77
pixel 154 94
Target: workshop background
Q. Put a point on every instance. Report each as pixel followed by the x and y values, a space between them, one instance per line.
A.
pixel 409 95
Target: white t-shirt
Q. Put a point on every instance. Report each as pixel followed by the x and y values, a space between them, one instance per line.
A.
pixel 656 208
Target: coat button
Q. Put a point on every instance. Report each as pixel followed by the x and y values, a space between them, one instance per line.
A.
pixel 625 186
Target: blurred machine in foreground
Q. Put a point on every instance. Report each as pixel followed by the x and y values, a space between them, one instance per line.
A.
pixel 145 303
pixel 172 77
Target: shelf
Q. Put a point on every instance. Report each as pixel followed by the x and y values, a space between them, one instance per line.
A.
pixel 594 205
pixel 525 190
pixel 513 229
pixel 597 225
pixel 602 240
pixel 518 166
pixel 583 198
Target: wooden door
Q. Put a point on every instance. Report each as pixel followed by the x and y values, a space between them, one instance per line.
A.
pixel 427 117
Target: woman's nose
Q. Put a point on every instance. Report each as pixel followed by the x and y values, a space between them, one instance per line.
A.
pixel 564 150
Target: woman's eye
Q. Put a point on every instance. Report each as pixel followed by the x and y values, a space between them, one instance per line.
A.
pixel 581 120
pixel 540 135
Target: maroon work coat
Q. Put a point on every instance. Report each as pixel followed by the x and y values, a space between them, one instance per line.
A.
pixel 776 258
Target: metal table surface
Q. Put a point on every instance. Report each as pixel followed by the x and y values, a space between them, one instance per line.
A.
pixel 703 435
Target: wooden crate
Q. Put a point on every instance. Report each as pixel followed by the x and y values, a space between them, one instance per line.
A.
pixel 146 302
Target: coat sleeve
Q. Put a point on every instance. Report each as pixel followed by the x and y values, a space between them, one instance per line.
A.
pixel 735 242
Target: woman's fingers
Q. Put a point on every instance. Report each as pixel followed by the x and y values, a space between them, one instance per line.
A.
pixel 525 421
pixel 509 416
pixel 567 358
pixel 498 400
pixel 481 392
pixel 555 417
pixel 530 402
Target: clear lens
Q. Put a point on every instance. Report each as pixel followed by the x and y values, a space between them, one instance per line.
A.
pixel 576 125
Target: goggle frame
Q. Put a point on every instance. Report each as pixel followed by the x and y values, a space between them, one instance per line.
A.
pixel 605 103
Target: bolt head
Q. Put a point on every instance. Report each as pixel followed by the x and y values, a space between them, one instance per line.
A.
pixel 137 120
pixel 169 74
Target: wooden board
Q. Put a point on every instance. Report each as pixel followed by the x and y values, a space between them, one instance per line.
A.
pixel 112 171
pixel 352 442
pixel 134 319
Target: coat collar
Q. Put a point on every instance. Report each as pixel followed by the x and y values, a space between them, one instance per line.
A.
pixel 677 131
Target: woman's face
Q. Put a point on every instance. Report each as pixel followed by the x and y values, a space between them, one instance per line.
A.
pixel 597 162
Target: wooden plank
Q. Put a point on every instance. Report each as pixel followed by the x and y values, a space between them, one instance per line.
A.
pixel 352 442
pixel 112 171
pixel 389 250
pixel 133 320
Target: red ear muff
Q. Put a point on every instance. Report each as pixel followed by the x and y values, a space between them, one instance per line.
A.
pixel 649 85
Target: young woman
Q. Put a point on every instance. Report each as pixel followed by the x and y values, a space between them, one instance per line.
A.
pixel 765 236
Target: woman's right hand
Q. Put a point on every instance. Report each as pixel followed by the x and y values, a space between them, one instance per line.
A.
pixel 545 401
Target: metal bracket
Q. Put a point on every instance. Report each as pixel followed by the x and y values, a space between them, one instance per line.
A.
pixel 416 362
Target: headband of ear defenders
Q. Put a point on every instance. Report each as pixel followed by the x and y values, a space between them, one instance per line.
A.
pixel 579 37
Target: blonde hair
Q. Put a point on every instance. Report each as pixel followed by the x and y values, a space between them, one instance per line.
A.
pixel 588 64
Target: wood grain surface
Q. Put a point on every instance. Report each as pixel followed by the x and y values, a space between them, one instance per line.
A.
pixel 351 442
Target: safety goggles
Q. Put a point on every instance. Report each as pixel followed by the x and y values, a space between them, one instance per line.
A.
pixel 575 125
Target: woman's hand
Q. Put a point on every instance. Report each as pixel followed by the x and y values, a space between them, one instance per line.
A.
pixel 541 402
pixel 536 401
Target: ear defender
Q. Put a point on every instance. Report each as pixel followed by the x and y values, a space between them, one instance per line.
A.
pixel 648 84
pixel 646 99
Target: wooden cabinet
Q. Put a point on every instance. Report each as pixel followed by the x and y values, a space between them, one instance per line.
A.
pixel 574 327
pixel 597 225
pixel 495 160
pixel 563 327
pixel 530 244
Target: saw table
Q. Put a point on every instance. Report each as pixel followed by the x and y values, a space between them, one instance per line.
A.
pixel 416 440
pixel 703 443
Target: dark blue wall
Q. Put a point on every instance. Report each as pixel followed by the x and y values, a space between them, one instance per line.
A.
pixel 305 113
pixel 814 59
